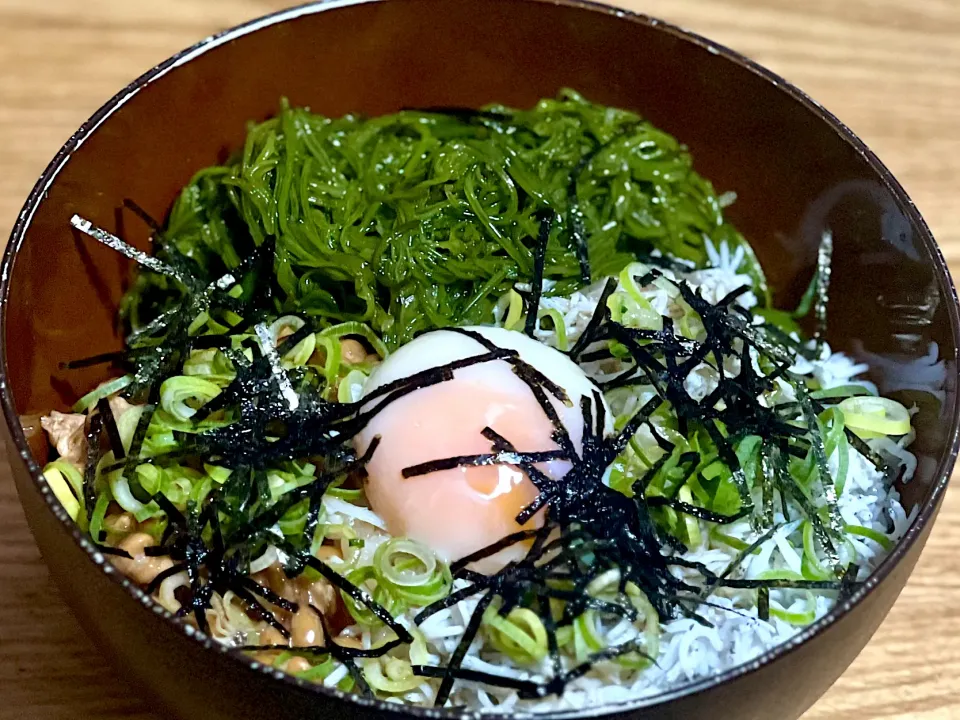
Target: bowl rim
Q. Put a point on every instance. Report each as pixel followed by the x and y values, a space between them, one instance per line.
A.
pixel 928 507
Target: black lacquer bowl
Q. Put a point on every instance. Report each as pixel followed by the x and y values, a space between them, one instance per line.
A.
pixel 796 170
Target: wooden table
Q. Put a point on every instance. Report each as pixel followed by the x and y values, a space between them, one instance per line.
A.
pixel 889 68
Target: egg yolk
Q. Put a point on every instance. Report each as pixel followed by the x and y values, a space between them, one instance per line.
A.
pixel 464 509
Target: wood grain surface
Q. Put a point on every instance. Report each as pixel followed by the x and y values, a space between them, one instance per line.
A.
pixel 890 69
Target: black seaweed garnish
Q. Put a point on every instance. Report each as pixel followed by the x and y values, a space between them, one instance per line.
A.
pixel 272 415
pixel 600 314
pixel 539 257
pixel 110 425
pixel 824 269
pixel 94 431
pixel 502 457
pixel 576 220
pixel 145 259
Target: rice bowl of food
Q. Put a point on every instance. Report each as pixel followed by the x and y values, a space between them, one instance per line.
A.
pixel 560 396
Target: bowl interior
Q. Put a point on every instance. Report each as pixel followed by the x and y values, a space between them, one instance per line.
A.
pixel 795 173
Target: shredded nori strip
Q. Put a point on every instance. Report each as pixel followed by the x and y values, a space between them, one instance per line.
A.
pixel 824 269
pixel 273 358
pixel 784 584
pixel 107 550
pixel 763 603
pixel 599 315
pixel 697 512
pixel 539 257
pixel 577 221
pixel 148 261
pixel 110 425
pixel 359 595
pixel 507 457
pixel 94 431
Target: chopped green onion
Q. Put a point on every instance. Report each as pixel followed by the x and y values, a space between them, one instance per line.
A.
pixel 728 540
pixel 350 389
pixel 514 317
pixel 120 489
pixel 585 638
pixel 212 365
pixel 798 618
pixel 127 427
pixel 63 489
pixel 843 464
pixel 691 524
pixel 219 474
pixel 520 634
pixel 318 672
pixel 841 391
pixel 811 566
pixel 871 417
pixel 410 571
pixel 357 328
pixel 98 514
pixel 559 327
pixel 105 390
pixel 150 477
pixel 295 519
pixel 176 392
pixel 352 495
pixel 878 537
pixel 391 675
pixel 300 354
pixel 331 364
pixel 651 630
pixel 365 578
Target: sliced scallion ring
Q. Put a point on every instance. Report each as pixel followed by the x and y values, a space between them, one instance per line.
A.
pixel 98 515
pixel 871 534
pixel 351 387
pixel 360 329
pixel 331 357
pixel 514 310
pixel 871 417
pixel 62 490
pixel 411 572
pixel 812 568
pixel 559 327
pixel 175 392
pixel 391 675
pixel 691 524
pixel 796 618
pixel 301 353
pixel 120 489
pixel 105 390
pixel 362 577
pixel 520 635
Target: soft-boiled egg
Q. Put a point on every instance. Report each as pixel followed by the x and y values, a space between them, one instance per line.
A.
pixel 464 509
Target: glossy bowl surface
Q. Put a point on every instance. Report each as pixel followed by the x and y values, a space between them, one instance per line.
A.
pixel 796 169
